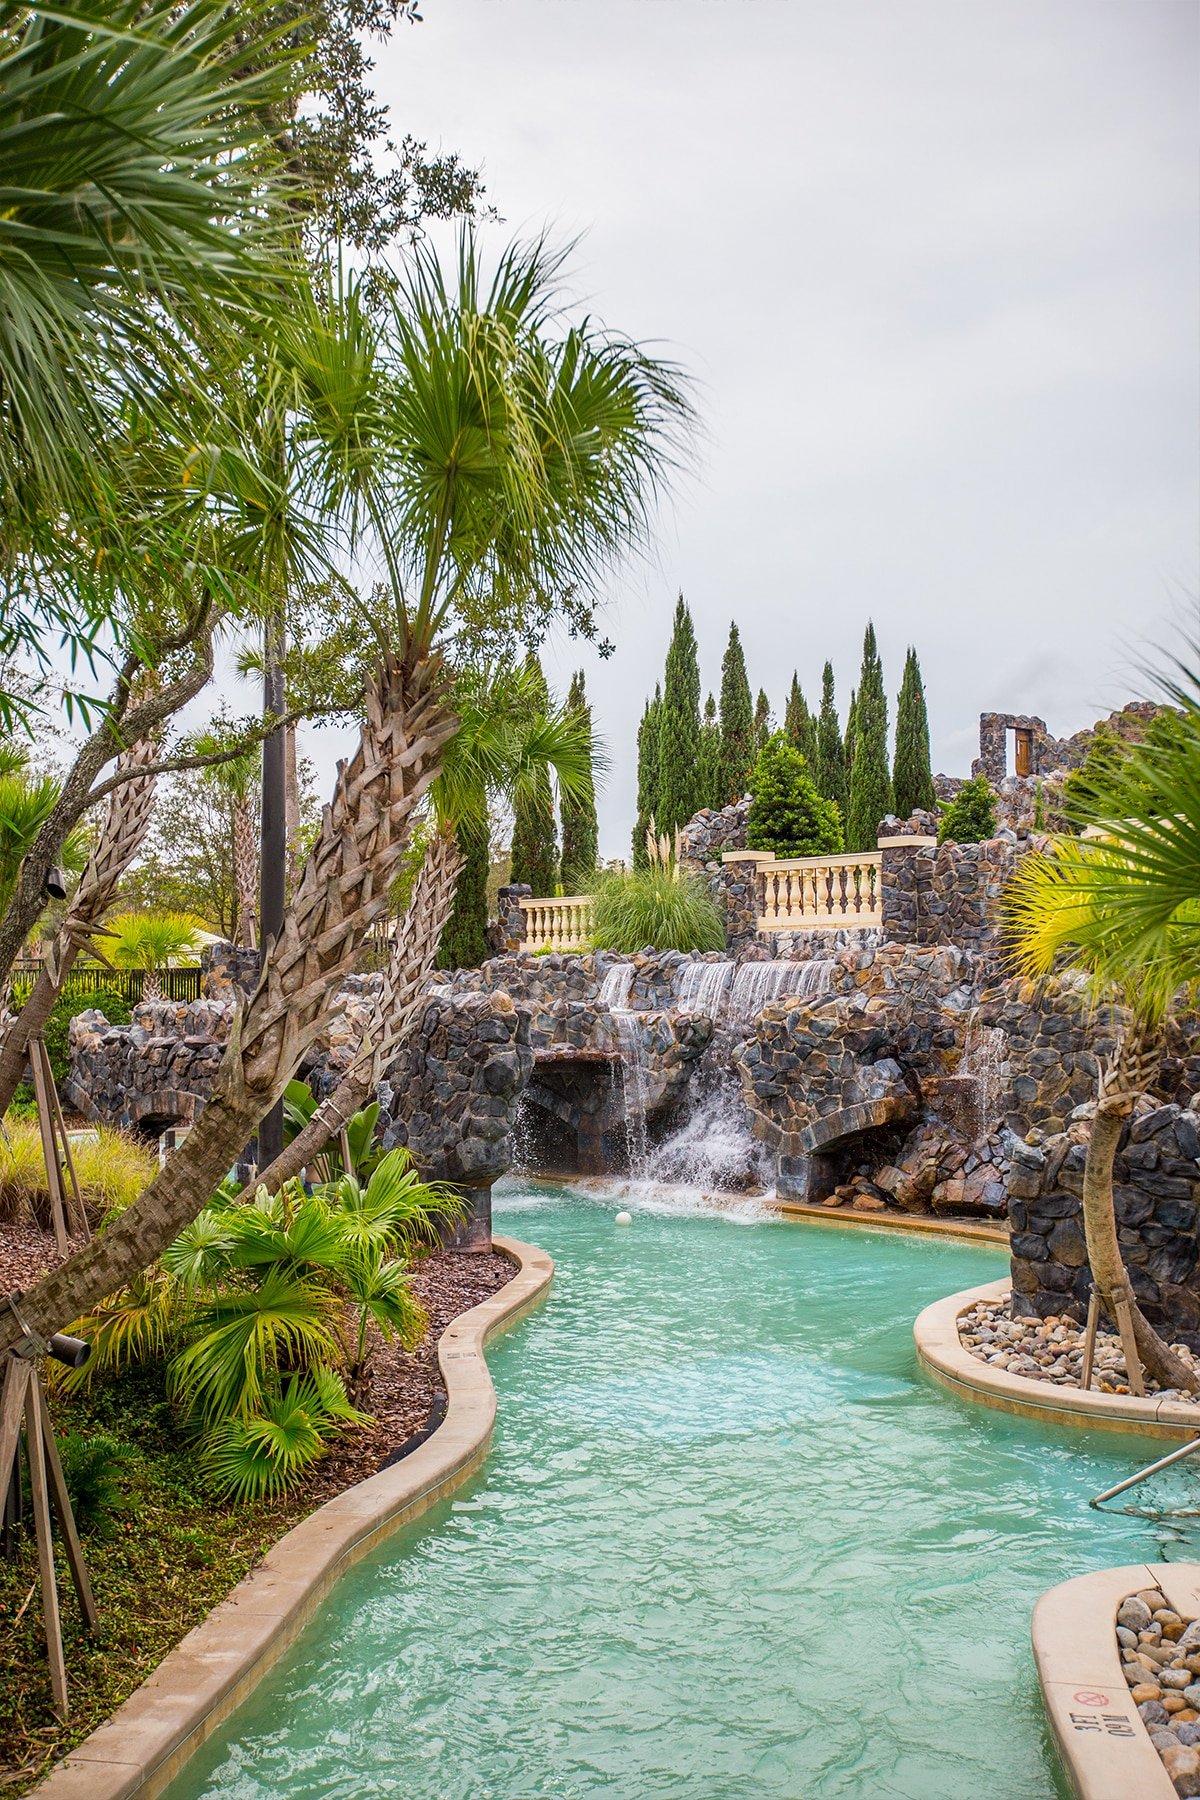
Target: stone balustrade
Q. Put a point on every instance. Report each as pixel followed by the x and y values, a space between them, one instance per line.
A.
pixel 815 893
pixel 559 924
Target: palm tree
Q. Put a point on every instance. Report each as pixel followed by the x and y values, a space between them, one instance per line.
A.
pixel 26 802
pixel 150 941
pixel 504 459
pixel 237 778
pixel 1123 905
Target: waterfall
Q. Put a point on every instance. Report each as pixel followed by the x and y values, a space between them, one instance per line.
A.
pixel 757 983
pixel 614 989
pixel 702 987
pixel 984 1054
pixel 634 1087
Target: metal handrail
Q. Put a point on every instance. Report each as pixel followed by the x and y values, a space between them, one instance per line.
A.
pixel 1164 1462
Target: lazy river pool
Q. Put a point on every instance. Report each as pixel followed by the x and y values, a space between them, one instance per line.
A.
pixel 730 1544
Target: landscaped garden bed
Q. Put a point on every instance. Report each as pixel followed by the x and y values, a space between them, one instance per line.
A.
pixel 1051 1350
pixel 164 1552
pixel 1160 1658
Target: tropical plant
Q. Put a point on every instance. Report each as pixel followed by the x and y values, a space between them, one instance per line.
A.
pixel 357 1153
pixel 647 776
pixel 148 940
pixel 27 801
pixel 912 771
pixel 970 817
pixel 829 770
pixel 1123 906
pixel 580 831
pixel 534 839
pixel 112 1169
pixel 870 791
pixel 92 1467
pixel 678 793
pixel 505 459
pixel 787 815
pixel 56 1033
pixel 660 907
pixel 737 721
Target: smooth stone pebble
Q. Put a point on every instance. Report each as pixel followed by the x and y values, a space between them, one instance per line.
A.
pixel 1182 1764
pixel 1133 1613
pixel 1163 1738
pixel 1146 1690
pixel 1126 1637
pixel 1174 1702
pixel 1152 1712
pixel 1191 1694
pixel 1191 1635
pixel 1189 1733
pixel 1177 1678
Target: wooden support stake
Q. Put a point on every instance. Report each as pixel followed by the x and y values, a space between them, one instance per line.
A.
pixel 66 1517
pixel 45 1548
pixel 1133 1362
pixel 68 1160
pixel 49 1148
pixel 1089 1339
pixel 17 1370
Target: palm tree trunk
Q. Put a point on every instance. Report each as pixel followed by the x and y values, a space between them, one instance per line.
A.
pixel 343 890
pixel 1128 1076
pixel 291 804
pixel 126 821
pixel 412 961
pixel 245 871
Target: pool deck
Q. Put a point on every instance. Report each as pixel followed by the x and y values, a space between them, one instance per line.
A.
pixel 146 1742
pixel 947 1359
pixel 976 1230
pixel 1104 1746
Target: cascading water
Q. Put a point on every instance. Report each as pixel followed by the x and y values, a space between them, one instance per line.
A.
pixel 984 1054
pixel 614 993
pixel 615 988
pixel 758 983
pixel 702 987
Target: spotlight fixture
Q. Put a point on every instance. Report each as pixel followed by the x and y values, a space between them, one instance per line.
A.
pixel 56 883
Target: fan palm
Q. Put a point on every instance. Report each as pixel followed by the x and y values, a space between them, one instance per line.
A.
pixel 148 940
pixel 26 802
pixel 1123 906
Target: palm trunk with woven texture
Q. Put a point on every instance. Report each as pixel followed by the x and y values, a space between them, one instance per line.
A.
pixel 342 891
pixel 1132 1071
pixel 393 1013
pixel 245 871
pixel 122 832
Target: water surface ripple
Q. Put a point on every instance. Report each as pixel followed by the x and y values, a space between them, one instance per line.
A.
pixel 730 1545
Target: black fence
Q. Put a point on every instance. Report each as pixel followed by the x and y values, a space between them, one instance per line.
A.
pixel 174 984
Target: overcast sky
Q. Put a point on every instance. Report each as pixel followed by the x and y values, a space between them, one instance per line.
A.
pixel 934 270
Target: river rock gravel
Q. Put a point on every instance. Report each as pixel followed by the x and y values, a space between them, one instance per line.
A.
pixel 1052 1350
pixel 1160 1659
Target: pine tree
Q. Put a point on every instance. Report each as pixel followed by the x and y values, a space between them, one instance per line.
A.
pixel 464 941
pixel 679 728
pixel 580 833
pixel 830 766
pixel 912 773
pixel 800 725
pixel 709 781
pixel 534 838
pixel 763 722
pixel 870 782
pixel 737 722
pixel 647 788
pixel 788 816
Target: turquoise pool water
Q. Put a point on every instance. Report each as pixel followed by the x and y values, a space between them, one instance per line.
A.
pixel 730 1545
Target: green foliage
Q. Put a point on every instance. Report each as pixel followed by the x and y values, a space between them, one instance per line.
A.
pixel 94 1467
pixel 737 722
pixel 534 838
pixel 299 1105
pixel 678 788
pixel 799 723
pixel 851 738
pixel 912 776
pixel 647 785
pixel 870 782
pixel 26 803
pixel 148 940
pixel 763 722
pixel 264 1308
pixel 1039 807
pixel 464 941
pixel 787 815
pixel 1084 785
pixel 580 830
pixel 114 1006
pixel 830 766
pixel 708 779
pixel 970 817
pixel 656 908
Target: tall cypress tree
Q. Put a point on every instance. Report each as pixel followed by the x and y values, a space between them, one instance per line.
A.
pixel 831 753
pixel 535 840
pixel 870 780
pixel 737 722
pixel 647 790
pixel 762 722
pixel 709 781
pixel 848 741
pixel 580 833
pixel 679 728
pixel 799 724
pixel 464 942
pixel 912 772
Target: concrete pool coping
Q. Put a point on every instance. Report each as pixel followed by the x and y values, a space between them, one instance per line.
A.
pixel 974 1230
pixel 1104 1746
pixel 941 1352
pixel 211 1671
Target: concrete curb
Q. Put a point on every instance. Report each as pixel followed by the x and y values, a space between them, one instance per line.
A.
pixel 834 1215
pixel 1104 1746
pixel 941 1353
pixel 145 1743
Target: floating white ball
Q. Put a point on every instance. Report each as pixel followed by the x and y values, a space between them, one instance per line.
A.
pixel 624 1218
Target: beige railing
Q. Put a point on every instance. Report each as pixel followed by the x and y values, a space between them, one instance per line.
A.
pixel 564 924
pixel 816 893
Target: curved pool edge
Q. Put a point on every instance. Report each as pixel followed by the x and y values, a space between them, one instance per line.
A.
pixel 942 1354
pixel 1103 1745
pixel 966 1230
pixel 140 1749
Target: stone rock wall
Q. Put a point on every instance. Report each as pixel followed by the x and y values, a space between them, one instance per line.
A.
pixel 1157 1189
pixel 734 887
pixel 156 1071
